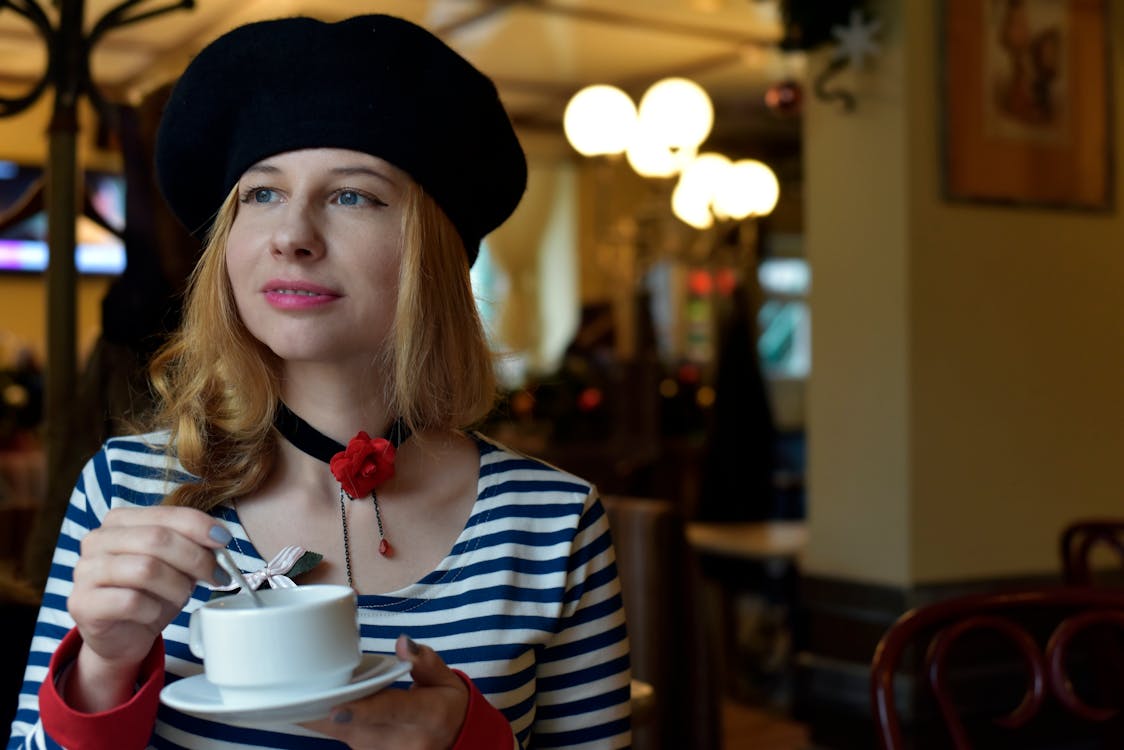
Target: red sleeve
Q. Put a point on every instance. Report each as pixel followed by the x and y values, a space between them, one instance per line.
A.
pixel 122 728
pixel 484 728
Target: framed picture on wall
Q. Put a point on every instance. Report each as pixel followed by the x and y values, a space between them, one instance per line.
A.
pixel 1027 100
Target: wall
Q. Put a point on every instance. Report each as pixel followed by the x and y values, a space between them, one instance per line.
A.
pixel 23 312
pixel 1017 380
pixel 856 236
pixel 966 396
pixel 23 137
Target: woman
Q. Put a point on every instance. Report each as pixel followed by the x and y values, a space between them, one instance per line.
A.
pixel 345 174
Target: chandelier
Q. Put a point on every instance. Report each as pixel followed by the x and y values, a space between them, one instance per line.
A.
pixel 661 139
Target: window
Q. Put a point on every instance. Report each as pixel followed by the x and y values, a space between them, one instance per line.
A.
pixel 784 342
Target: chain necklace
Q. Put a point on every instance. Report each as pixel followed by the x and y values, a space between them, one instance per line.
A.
pixel 308 439
pixel 384 545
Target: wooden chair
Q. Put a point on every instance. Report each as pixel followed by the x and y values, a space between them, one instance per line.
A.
pixel 660 587
pixel 964 645
pixel 1078 542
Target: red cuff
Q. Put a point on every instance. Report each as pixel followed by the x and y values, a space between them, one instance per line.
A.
pixel 124 727
pixel 484 727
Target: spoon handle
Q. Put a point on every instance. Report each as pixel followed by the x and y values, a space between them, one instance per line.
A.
pixel 227 563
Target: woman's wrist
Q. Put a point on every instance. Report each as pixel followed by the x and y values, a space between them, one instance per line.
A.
pixel 92 684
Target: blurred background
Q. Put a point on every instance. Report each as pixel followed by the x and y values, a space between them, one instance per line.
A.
pixel 834 283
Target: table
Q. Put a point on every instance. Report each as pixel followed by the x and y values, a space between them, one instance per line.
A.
pixel 750 540
pixel 756 562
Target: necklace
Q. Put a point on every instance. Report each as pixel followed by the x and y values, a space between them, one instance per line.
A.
pixel 360 466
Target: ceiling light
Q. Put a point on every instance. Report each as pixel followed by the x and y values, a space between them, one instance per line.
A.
pixel 599 119
pixel 746 188
pixel 691 206
pixel 712 184
pixel 649 157
pixel 661 138
pixel 678 112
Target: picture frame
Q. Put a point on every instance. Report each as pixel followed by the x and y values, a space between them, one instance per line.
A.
pixel 1026 94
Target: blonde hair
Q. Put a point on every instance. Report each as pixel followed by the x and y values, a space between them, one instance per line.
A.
pixel 217 386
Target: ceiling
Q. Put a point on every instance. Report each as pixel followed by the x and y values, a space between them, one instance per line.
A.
pixel 539 52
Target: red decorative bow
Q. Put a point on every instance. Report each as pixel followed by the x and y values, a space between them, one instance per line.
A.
pixel 365 464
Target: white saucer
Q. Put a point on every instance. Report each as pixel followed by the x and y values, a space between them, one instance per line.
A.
pixel 197 696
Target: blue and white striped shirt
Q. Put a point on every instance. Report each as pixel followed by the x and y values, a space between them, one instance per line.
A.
pixel 527 603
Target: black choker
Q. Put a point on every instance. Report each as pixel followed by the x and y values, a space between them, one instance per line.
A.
pixel 308 439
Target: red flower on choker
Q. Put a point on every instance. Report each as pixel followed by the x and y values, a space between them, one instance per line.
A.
pixel 360 466
pixel 363 465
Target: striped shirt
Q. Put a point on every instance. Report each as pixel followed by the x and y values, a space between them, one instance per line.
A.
pixel 527 603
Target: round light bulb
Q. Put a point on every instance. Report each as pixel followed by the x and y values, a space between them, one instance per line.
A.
pixel 703 175
pixel 690 203
pixel 750 189
pixel 650 159
pixel 733 196
pixel 678 111
pixel 648 156
pixel 599 119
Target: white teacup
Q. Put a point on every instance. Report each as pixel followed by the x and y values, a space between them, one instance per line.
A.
pixel 304 640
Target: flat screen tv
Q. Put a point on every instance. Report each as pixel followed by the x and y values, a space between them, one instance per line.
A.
pixel 23 245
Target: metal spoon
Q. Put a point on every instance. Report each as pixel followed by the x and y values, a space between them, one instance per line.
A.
pixel 227 563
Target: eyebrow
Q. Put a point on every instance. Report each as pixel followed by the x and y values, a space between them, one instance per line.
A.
pixel 267 168
pixel 348 171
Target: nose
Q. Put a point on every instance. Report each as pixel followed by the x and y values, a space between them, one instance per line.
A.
pixel 297 233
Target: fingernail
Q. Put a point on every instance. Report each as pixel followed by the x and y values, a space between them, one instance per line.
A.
pixel 220 534
pixel 222 578
pixel 413 647
pixel 343 716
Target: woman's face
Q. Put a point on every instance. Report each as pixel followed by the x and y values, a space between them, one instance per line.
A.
pixel 314 252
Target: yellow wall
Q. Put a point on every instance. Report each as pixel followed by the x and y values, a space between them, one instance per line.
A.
pixel 1017 367
pixel 23 312
pixel 24 137
pixel 966 399
pixel 856 232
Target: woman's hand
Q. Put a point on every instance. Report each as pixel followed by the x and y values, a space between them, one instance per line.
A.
pixel 133 576
pixel 428 716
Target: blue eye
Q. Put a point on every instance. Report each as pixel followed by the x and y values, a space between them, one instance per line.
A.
pixel 350 198
pixel 259 195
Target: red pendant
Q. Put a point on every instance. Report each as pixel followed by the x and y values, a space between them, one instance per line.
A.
pixel 385 549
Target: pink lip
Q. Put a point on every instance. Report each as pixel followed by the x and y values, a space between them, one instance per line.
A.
pixel 297 295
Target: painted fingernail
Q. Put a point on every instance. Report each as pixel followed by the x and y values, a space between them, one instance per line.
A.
pixel 220 534
pixel 343 716
pixel 222 578
pixel 413 647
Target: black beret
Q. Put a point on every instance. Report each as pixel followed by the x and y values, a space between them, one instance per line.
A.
pixel 375 83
